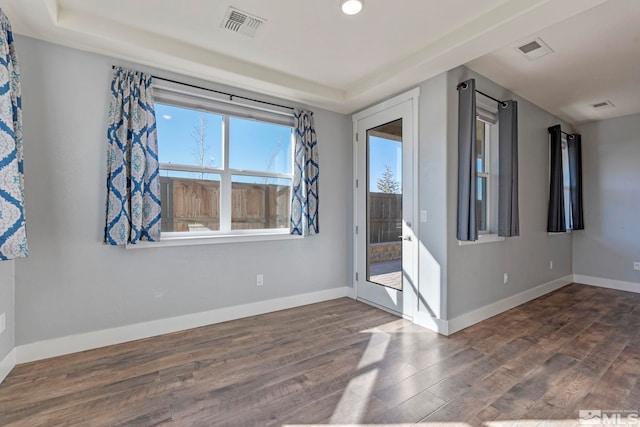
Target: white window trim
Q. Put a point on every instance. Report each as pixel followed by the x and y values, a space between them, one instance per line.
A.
pixel 482 238
pixel 567 197
pixel 488 161
pixel 488 113
pixel 254 236
pixel 566 183
pixel 193 98
pixel 491 160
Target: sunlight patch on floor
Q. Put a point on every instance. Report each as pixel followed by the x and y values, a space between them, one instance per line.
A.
pixel 376 349
pixel 505 423
pixel 381 425
pixel 355 399
pixel 532 423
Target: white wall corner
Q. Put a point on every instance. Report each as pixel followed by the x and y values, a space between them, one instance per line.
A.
pixel 351 291
pixel 87 341
pixel 471 318
pixel 607 283
pixel 7 364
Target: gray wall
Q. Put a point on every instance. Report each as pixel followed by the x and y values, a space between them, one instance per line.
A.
pixel 71 283
pixel 453 279
pixel 610 242
pixel 475 272
pixel 7 299
pixel 433 196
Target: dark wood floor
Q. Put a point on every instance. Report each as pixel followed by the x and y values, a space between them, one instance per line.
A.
pixel 342 362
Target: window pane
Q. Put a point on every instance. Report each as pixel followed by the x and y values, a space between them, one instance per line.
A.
pixel 190 201
pixel 481 205
pixel 259 146
pixel 188 137
pixel 384 205
pixel 480 146
pixel 566 180
pixel 259 202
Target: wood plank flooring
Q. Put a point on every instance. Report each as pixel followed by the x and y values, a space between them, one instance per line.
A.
pixel 343 362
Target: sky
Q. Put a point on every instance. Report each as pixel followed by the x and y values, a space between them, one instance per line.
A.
pixel 384 152
pixel 253 145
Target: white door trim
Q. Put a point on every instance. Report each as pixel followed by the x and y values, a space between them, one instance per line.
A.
pixel 413 96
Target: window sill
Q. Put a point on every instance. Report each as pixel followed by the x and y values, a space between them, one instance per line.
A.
pixel 483 238
pixel 214 240
pixel 554 233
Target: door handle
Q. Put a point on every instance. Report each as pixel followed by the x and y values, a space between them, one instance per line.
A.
pixel 407 238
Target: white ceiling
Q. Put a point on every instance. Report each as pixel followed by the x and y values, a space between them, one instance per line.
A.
pixel 308 51
pixel 597 58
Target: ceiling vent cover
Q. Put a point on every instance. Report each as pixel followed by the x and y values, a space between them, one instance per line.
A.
pixel 242 22
pixel 602 105
pixel 534 49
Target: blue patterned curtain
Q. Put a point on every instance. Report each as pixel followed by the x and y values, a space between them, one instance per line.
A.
pixel 133 183
pixel 304 198
pixel 13 234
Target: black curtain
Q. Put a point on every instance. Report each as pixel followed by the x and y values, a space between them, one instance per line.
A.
pixel 508 214
pixel 555 220
pixel 467 168
pixel 574 144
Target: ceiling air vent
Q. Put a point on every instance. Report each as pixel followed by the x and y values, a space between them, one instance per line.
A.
pixel 534 49
pixel 602 105
pixel 242 22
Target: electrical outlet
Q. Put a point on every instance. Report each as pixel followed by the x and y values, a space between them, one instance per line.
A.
pixel 506 278
pixel 2 323
pixel 551 265
pixel 423 216
pixel 636 265
pixel 259 280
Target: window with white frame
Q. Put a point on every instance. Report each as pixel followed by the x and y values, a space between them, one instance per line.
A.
pixel 566 184
pixel 224 168
pixel 487 172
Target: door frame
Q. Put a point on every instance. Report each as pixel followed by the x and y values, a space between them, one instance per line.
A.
pixel 411 96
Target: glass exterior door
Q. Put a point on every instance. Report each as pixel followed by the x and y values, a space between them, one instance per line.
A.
pixel 385 241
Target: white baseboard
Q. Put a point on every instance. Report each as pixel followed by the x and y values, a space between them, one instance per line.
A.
pixel 448 327
pixel 475 316
pixel 607 283
pixel 432 323
pixel 7 364
pixel 91 340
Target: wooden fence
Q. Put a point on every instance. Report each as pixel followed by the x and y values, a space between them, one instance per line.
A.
pixel 193 205
pixel 385 217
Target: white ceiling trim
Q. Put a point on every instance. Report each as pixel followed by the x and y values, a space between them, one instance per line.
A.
pixel 512 20
pixel 155 44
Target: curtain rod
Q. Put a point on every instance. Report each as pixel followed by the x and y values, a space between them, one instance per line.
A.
pixel 568 135
pixel 464 85
pixel 504 104
pixel 230 95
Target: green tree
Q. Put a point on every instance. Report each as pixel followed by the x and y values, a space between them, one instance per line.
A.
pixel 386 183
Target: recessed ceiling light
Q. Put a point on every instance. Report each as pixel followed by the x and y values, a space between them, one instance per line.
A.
pixel 351 7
